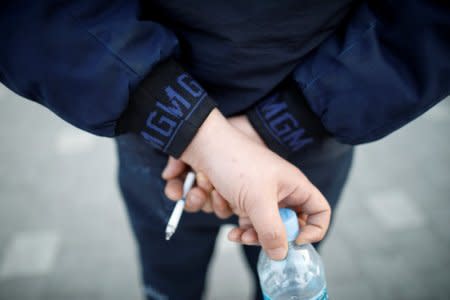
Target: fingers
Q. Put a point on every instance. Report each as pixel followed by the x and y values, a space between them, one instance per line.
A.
pixel 250 237
pixel 203 182
pixel 220 205
pixel 246 236
pixel 195 200
pixel 235 234
pixel 199 198
pixel 244 222
pixel 319 213
pixel 302 218
pixel 314 208
pixel 174 189
pixel 174 168
pixel 270 230
pixel 207 207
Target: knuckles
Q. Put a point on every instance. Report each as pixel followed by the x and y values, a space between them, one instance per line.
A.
pixel 271 236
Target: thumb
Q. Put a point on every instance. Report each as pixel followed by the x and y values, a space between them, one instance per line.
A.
pixel 174 168
pixel 266 220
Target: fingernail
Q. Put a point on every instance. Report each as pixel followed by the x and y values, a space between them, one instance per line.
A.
pixel 248 239
pixel 233 237
pixel 277 253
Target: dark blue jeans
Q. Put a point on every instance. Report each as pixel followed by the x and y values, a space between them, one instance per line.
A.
pixel 177 269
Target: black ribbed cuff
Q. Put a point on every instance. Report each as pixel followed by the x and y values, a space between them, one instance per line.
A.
pixel 167 109
pixel 285 121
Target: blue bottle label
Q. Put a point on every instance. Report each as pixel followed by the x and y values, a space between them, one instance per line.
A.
pixel 323 296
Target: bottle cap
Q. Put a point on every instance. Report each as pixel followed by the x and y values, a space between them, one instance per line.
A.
pixel 290 221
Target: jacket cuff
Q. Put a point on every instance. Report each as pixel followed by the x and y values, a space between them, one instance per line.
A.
pixel 285 121
pixel 167 109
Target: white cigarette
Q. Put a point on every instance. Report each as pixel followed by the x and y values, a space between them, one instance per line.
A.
pixel 178 209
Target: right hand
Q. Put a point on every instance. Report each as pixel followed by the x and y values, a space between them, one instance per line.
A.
pixel 256 182
pixel 203 196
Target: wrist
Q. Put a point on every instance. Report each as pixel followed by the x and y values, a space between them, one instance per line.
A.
pixel 166 109
pixel 202 146
pixel 285 122
pixel 243 124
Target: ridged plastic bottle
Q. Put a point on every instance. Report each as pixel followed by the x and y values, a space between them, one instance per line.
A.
pixel 300 276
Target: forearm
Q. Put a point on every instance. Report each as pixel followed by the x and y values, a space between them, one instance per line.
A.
pixel 204 142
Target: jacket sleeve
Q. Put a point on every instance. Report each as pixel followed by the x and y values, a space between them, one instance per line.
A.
pixel 102 69
pixel 388 65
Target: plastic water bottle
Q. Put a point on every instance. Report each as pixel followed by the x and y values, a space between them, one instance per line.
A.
pixel 300 276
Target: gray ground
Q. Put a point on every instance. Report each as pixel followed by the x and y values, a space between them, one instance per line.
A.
pixel 64 233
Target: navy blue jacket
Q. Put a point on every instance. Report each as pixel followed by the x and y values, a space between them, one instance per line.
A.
pixel 300 69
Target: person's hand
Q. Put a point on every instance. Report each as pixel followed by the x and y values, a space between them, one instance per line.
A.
pixel 255 182
pixel 203 196
pixel 242 124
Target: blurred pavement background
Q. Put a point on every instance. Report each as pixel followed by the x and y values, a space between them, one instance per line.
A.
pixel 64 232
